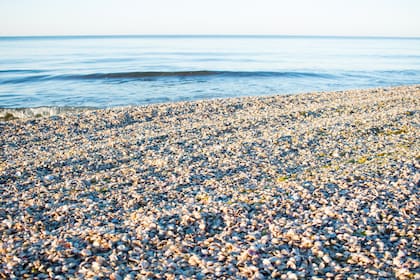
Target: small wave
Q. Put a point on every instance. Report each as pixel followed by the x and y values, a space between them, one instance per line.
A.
pixel 200 73
pixel 46 111
pixel 134 75
pixel 31 75
pixel 26 79
pixel 20 71
pixel 148 76
pixel 288 74
pixel 402 72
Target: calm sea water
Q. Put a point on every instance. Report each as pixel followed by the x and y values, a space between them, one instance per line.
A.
pixel 130 70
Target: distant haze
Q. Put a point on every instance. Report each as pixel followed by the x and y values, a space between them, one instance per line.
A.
pixel 399 18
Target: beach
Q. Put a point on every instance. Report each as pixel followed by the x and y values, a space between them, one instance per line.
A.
pixel 310 186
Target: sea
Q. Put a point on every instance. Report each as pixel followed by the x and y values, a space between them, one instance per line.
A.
pixel 109 71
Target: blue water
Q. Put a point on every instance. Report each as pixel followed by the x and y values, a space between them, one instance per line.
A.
pixel 104 71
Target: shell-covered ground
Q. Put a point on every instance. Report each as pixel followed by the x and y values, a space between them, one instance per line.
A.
pixel 321 185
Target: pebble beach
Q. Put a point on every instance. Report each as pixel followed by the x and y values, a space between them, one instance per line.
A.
pixel 308 186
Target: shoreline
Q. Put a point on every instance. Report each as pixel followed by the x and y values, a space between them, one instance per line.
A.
pixel 49 111
pixel 296 186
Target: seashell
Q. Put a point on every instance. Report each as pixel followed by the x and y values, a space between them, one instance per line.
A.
pixel 194 260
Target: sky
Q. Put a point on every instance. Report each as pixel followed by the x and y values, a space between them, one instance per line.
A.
pixel 399 18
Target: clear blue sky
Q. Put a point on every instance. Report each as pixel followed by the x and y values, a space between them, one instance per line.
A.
pixel 298 17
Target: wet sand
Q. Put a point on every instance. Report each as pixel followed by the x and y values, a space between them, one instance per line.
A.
pixel 319 185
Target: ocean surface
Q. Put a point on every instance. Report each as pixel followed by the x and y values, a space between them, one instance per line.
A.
pixel 106 71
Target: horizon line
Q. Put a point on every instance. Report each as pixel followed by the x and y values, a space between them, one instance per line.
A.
pixel 209 36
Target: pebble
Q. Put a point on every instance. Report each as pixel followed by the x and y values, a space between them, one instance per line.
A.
pixel 309 186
